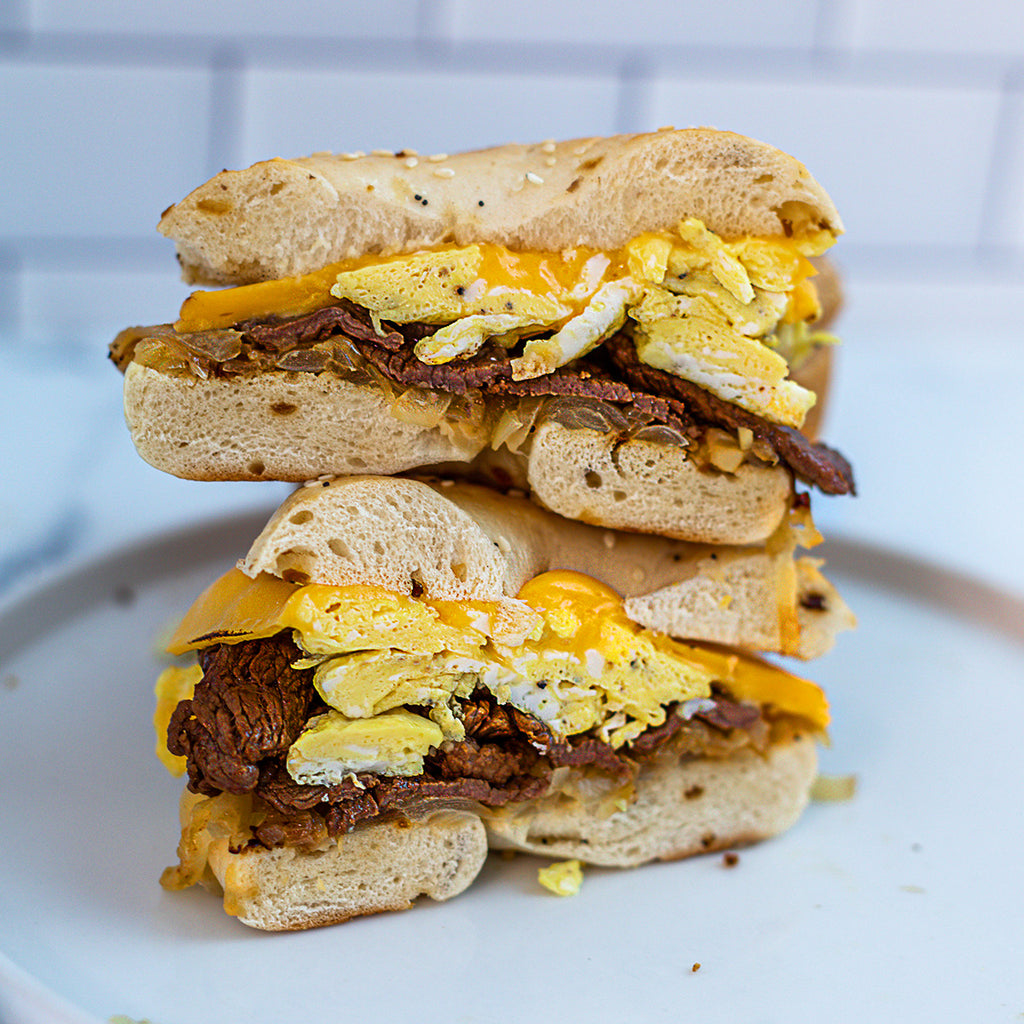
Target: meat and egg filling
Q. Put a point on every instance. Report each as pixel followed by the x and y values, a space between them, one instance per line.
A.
pixel 681 339
pixel 323 730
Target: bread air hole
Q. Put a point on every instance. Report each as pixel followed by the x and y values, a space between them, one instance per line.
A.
pixel 289 565
pixel 257 467
pixel 214 206
pixel 459 568
pixel 301 517
pixel 593 479
pixel 340 548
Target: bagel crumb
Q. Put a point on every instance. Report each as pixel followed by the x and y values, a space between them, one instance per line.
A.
pixel 562 878
pixel 730 859
pixel 695 968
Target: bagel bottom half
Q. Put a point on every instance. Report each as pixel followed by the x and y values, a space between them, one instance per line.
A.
pixel 300 427
pixel 681 806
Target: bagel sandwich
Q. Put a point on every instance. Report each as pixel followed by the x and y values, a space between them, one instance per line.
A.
pixel 403 673
pixel 630 328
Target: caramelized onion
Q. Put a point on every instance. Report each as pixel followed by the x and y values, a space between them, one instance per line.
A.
pixel 575 413
pixel 216 345
pixel 423 408
pixel 304 360
pixel 660 433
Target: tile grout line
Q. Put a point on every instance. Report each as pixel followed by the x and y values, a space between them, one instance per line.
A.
pixel 997 184
pixel 227 109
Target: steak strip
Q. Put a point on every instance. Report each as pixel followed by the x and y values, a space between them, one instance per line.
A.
pixel 279 335
pixel 250 705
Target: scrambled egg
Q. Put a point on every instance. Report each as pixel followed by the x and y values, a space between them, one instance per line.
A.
pixel 714 311
pixel 333 747
pixel 563 878
pixel 563 651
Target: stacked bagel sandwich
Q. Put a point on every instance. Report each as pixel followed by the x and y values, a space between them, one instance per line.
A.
pixel 551 410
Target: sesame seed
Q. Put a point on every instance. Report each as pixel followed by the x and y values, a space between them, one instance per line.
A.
pixel 352 156
pixel 534 179
pixel 444 172
pixel 411 162
pixel 382 152
pixel 550 161
pixel 436 158
pixel 548 147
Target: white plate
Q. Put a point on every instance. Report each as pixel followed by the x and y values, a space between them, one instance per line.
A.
pixel 905 903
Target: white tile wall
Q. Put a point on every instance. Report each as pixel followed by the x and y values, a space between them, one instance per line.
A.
pixel 56 303
pixel 746 23
pixel 938 26
pixel 911 114
pixel 98 150
pixel 229 18
pixel 430 111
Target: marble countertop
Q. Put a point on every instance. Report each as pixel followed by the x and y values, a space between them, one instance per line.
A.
pixel 929 414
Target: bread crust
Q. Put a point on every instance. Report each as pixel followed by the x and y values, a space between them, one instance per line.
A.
pixel 457 541
pixel 286 217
